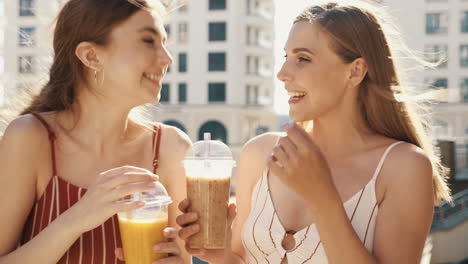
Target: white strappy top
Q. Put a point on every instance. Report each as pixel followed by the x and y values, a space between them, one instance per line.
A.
pixel 263 233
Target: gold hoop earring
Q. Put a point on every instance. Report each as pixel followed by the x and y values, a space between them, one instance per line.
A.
pixel 96 78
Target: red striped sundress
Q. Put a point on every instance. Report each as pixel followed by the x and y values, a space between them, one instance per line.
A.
pixel 96 246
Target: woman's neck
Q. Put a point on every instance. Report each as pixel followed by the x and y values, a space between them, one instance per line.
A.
pixel 98 123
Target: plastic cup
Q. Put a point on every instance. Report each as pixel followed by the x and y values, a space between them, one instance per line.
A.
pixel 208 169
pixel 141 229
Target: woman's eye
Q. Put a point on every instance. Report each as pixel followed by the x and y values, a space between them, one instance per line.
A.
pixel 303 59
pixel 149 41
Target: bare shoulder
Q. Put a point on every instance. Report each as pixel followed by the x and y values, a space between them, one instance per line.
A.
pixel 253 157
pixel 175 140
pixel 25 131
pixel 260 146
pixel 408 169
pixel 406 157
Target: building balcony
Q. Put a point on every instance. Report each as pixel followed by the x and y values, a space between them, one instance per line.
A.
pixel 260 17
pixel 260 74
pixel 258 48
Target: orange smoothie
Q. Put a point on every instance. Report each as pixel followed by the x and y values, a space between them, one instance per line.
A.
pixel 139 236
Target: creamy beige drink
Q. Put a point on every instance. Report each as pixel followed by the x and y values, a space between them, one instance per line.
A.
pixel 208 167
pixel 209 197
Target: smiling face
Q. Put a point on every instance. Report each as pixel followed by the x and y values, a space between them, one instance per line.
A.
pixel 314 76
pixel 135 60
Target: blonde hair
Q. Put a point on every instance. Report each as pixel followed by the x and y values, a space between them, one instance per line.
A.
pixel 361 30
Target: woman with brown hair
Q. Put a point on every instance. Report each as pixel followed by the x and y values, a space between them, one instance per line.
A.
pixel 356 179
pixel 75 152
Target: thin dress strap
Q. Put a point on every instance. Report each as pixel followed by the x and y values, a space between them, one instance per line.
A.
pixel 384 156
pixel 52 138
pixel 156 143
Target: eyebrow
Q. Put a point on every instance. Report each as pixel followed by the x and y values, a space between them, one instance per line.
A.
pixel 297 50
pixel 153 31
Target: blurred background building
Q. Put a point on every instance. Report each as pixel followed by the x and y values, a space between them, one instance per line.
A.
pixel 221 80
pixel 439 29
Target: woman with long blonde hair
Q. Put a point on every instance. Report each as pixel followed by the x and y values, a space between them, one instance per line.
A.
pixel 360 183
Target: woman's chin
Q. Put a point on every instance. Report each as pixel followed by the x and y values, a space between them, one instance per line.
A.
pixel 298 117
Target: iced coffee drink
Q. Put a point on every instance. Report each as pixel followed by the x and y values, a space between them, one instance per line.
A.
pixel 208 168
pixel 209 197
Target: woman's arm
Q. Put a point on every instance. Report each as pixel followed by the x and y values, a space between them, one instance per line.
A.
pixel 405 213
pixel 404 218
pixel 21 149
pixel 173 176
pixel 252 162
pixel 18 157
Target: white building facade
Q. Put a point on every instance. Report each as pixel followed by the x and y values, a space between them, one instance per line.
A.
pixel 222 77
pixel 439 28
pixel 221 80
pixel 27 44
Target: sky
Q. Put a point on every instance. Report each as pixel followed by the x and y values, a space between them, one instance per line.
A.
pixel 285 11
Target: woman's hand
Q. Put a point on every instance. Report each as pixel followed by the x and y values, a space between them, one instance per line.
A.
pixel 170 247
pixel 298 162
pixel 102 200
pixel 187 221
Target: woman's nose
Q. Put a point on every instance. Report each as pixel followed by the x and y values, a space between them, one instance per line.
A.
pixel 165 57
pixel 284 75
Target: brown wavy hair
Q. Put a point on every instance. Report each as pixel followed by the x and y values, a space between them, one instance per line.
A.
pixel 362 30
pixel 78 21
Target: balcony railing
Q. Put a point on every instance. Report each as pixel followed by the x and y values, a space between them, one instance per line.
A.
pixel 448 216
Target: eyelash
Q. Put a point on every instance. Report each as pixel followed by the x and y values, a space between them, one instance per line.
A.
pixel 301 59
pixel 149 41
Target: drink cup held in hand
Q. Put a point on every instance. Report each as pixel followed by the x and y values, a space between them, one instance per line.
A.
pixel 208 168
pixel 141 229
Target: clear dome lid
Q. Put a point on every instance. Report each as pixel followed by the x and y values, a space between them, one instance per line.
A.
pixel 208 149
pixel 157 196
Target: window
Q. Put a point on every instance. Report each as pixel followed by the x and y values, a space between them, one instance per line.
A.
pixel 253 65
pixel 26 36
pixel 165 93
pixel 437 23
pixel 182 62
pixel 464 22
pixel 464 55
pixel 437 53
pixel 182 92
pixel 182 36
pixel 252 95
pixel 26 64
pixel 440 128
pixel 218 131
pixel 167 28
pixel 175 124
pixel 26 7
pixel 440 83
pixel 261 130
pixel 253 35
pixel 217 61
pixel 217 4
pixel 217 92
pixel 464 89
pixel 217 31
